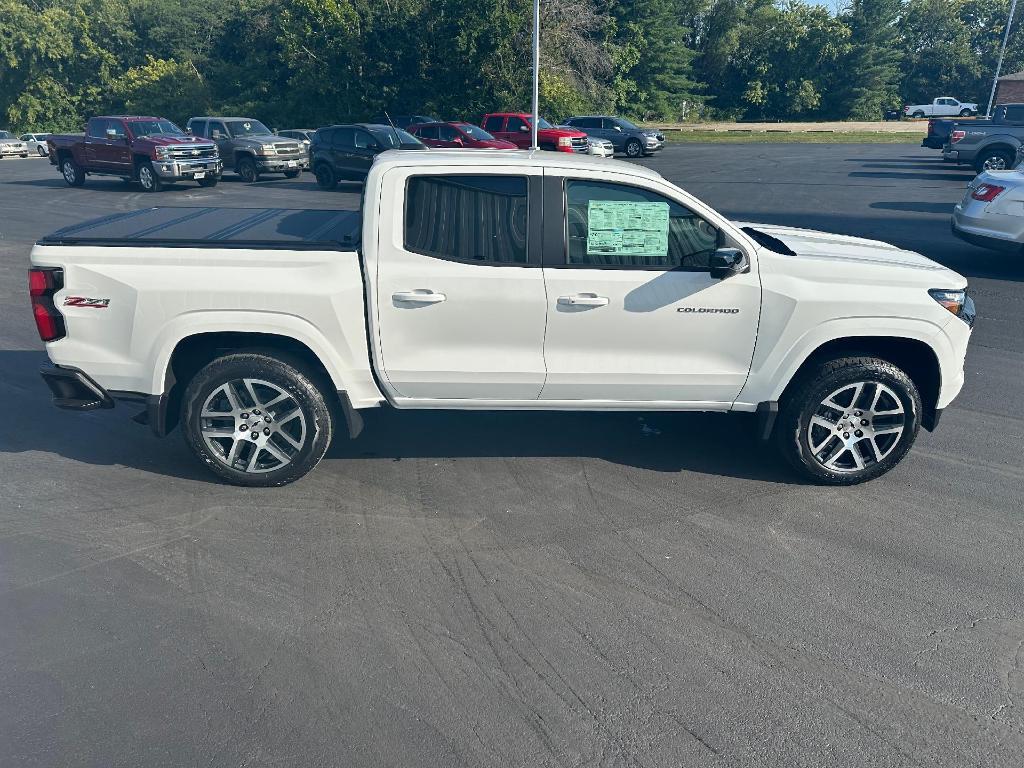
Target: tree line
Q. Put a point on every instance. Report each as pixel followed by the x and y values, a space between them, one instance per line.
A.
pixel 307 63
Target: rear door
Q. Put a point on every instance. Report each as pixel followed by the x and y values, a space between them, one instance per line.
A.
pixel 460 303
pixel 94 143
pixel 633 312
pixel 495 125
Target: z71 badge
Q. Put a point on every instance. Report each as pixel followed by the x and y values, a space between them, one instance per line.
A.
pixel 83 301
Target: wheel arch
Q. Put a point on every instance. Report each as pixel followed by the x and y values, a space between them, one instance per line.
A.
pixel 191 352
pixel 915 357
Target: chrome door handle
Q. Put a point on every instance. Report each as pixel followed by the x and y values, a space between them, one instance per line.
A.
pixel 583 300
pixel 419 297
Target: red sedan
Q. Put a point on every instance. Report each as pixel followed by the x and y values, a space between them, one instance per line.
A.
pixel 455 135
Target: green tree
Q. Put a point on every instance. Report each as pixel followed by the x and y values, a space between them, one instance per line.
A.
pixel 870 79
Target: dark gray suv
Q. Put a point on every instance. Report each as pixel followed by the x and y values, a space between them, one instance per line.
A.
pixel 249 148
pixel 625 136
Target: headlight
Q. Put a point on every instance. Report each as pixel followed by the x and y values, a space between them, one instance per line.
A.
pixel 564 141
pixel 957 302
pixel 163 153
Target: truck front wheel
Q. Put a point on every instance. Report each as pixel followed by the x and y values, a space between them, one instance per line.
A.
pixel 256 419
pixel 72 172
pixel 148 177
pixel 849 420
pixel 247 170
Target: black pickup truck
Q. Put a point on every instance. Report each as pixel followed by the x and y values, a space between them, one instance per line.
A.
pixel 987 145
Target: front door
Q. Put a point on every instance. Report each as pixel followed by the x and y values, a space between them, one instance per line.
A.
pixel 518 132
pixel 633 312
pixel 460 303
pixel 115 152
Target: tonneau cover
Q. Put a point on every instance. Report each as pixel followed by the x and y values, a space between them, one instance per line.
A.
pixel 281 228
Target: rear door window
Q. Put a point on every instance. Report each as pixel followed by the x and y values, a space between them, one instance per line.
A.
pixel 493 123
pixel 477 219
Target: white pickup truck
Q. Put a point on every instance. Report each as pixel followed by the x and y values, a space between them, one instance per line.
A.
pixel 944 106
pixel 496 280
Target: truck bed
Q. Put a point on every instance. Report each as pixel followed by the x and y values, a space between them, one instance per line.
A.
pixel 282 228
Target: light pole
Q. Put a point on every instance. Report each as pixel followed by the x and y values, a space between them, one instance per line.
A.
pixel 536 73
pixel 1002 52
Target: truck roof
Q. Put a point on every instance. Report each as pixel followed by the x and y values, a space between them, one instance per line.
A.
pixel 482 158
pixel 283 228
pixel 125 117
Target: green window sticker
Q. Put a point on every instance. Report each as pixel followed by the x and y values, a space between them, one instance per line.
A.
pixel 625 228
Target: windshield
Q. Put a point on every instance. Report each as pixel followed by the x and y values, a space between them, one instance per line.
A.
pixel 239 128
pixel 623 122
pixel 541 123
pixel 154 127
pixel 391 138
pixel 475 132
pixel 5 135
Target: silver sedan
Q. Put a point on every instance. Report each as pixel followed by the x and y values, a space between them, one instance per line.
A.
pixel 991 213
pixel 11 145
pixel 36 142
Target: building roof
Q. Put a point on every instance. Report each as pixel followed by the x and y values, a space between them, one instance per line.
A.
pixel 505 157
pixel 1013 76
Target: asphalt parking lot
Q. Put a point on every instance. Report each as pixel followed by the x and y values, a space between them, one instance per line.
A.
pixel 521 589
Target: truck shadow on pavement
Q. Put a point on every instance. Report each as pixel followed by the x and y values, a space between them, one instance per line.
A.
pixel 712 444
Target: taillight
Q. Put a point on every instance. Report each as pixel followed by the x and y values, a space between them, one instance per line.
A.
pixel 42 285
pixel 986 193
pixel 955 136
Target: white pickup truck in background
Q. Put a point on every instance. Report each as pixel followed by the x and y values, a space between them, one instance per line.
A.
pixel 496 280
pixel 944 106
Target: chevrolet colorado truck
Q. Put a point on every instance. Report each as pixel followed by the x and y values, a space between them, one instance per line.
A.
pixel 150 150
pixel 988 145
pixel 496 280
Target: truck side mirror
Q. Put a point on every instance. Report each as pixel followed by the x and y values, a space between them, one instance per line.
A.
pixel 726 262
pixel 524 128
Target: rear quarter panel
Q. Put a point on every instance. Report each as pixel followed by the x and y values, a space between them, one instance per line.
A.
pixel 161 295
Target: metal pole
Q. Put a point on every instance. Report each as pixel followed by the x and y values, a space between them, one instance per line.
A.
pixel 536 73
pixel 1002 52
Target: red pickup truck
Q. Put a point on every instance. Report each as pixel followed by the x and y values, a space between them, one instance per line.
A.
pixel 150 150
pixel 515 127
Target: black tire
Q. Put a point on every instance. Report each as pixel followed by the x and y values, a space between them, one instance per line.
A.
pixel 209 181
pixel 72 172
pixel 246 168
pixel 292 174
pixel 993 160
pixel 919 113
pixel 965 113
pixel 149 179
pixel 41 151
pixel 326 178
pixel 806 401
pixel 25 156
pixel 634 148
pixel 282 373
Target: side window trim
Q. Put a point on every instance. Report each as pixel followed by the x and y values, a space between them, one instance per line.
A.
pixel 556 242
pixel 535 195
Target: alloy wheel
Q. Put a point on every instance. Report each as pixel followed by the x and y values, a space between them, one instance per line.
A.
pixel 69 172
pixel 994 163
pixel 145 177
pixel 856 426
pixel 253 426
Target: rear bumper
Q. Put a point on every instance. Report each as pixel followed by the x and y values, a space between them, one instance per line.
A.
pixel 74 390
pixel 986 241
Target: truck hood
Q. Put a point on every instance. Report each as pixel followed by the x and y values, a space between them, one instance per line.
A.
pixel 811 244
pixel 167 139
pixel 558 133
pixel 266 138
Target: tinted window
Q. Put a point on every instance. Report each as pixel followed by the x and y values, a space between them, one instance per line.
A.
pixel 214 126
pixel 97 128
pixel 155 128
pixel 117 127
pixel 467 218
pixel 447 133
pixel 364 140
pixel 427 132
pixel 493 123
pixel 198 127
pixel 1014 113
pixel 517 124
pixel 613 225
pixel 343 137
pixel 587 122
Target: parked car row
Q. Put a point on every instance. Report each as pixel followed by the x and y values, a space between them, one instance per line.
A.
pixel 154 151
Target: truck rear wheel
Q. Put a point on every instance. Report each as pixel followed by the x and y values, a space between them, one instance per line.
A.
pixel 919 113
pixel 148 177
pixel 849 420
pixel 72 172
pixel 993 160
pixel 256 419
